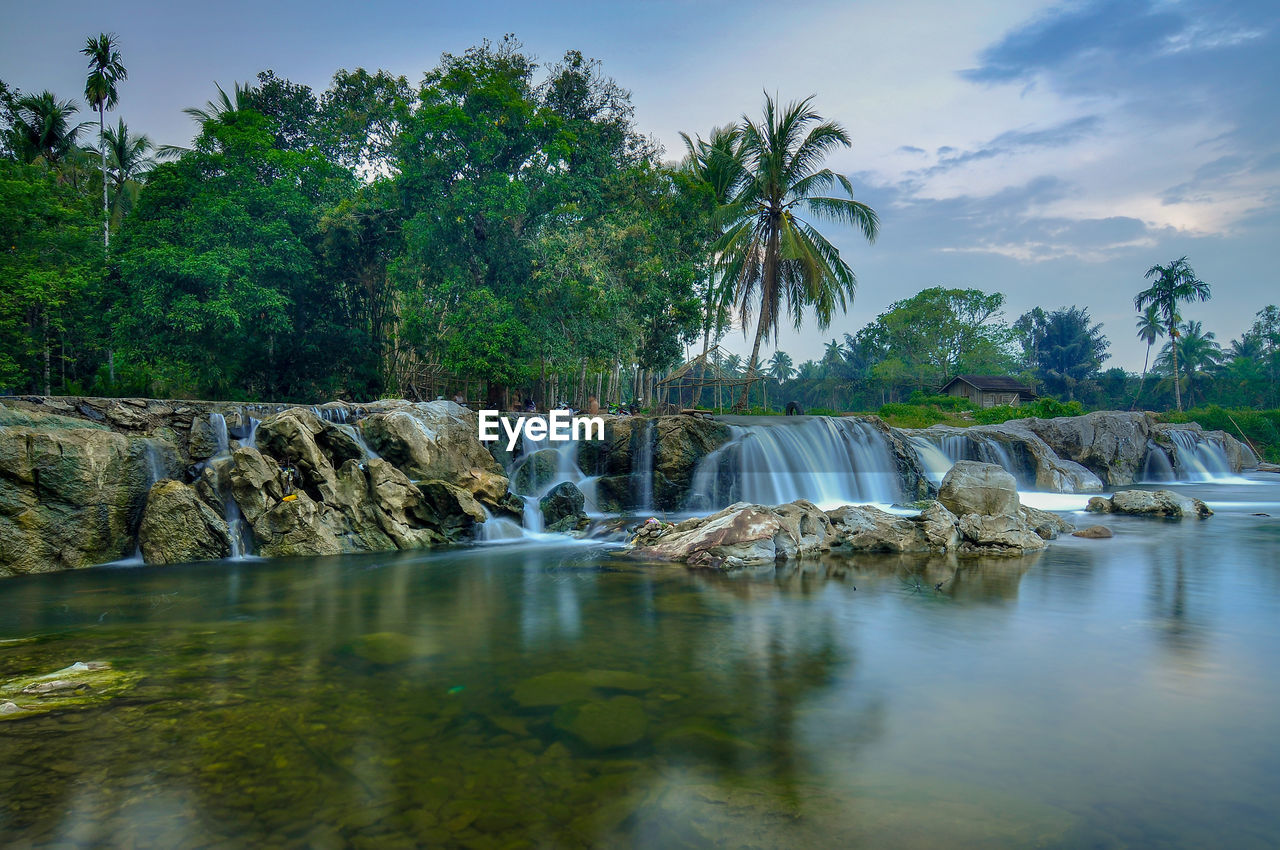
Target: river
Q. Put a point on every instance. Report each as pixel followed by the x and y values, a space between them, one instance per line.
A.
pixel 1105 693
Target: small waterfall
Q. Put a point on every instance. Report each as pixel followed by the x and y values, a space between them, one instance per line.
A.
pixel 250 429
pixel 236 531
pixel 938 452
pixel 935 460
pixel 495 529
pixel 1199 459
pixel 1156 467
pixel 154 465
pixel 829 461
pixel 358 437
pixel 642 469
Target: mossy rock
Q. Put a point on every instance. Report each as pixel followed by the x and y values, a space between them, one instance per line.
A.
pixel 561 687
pixel 82 685
pixel 386 648
pixel 604 724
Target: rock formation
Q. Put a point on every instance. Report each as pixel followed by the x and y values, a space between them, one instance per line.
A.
pixel 1165 503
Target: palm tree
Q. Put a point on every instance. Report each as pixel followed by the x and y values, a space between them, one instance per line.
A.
pixel 1196 350
pixel 781 367
pixel 43 127
pixel 1150 328
pixel 222 108
pixel 128 161
pixel 732 364
pixel 1174 283
pixel 105 70
pixel 773 258
pixel 717 164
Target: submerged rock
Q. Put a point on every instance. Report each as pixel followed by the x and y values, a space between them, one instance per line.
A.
pixel 83 684
pixel 1165 503
pixel 606 724
pixel 563 686
pixel 1093 532
pixel 177 527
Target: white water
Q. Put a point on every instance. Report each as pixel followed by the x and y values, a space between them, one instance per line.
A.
pixel 498 529
pixel 642 468
pixel 939 452
pixel 1196 459
pixel 829 461
pixel 236 531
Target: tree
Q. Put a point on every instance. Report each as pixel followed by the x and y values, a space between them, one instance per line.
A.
pixel 1070 351
pixel 1196 353
pixel 129 160
pixel 1150 328
pixel 42 128
pixel 105 70
pixel 780 366
pixel 774 259
pixel 716 164
pixel 1174 283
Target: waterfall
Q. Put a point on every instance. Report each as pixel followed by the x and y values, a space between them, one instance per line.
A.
pixel 642 469
pixel 935 460
pixel 357 436
pixel 1156 467
pixel 1199 459
pixel 938 452
pixel 498 528
pixel 230 510
pixel 154 466
pixel 829 461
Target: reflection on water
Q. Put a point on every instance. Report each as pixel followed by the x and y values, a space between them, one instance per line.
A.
pixel 1094 695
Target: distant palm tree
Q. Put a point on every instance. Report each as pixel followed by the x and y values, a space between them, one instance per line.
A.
pixel 1195 351
pixel 732 365
pixel 780 366
pixel 1174 283
pixel 222 108
pixel 43 128
pixel 1150 328
pixel 717 164
pixel 772 258
pixel 105 70
pixel 128 161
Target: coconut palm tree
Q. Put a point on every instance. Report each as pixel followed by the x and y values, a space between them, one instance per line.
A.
pixel 105 70
pixel 222 108
pixel 716 163
pixel 781 367
pixel 774 259
pixel 1174 283
pixel 129 160
pixel 1195 352
pixel 43 128
pixel 1150 328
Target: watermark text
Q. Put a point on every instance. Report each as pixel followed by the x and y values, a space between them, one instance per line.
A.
pixel 559 426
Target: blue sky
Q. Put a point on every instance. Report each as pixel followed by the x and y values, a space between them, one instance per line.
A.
pixel 1049 151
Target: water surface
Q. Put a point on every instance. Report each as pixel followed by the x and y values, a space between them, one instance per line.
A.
pixel 1112 693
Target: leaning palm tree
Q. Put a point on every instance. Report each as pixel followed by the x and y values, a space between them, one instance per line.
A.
pixel 105 70
pixel 222 108
pixel 1173 284
pixel 129 160
pixel 1150 328
pixel 43 128
pixel 716 163
pixel 774 259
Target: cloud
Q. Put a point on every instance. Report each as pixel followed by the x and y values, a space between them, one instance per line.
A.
pixel 1013 141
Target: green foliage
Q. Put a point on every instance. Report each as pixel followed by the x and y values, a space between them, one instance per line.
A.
pixel 943 402
pixel 1043 408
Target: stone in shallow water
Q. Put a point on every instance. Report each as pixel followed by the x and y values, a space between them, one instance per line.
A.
pixel 560 687
pixel 605 724
pixel 1093 532
pixel 79 685
pixel 386 648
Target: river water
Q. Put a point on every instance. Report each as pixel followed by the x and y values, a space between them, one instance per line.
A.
pixel 1105 694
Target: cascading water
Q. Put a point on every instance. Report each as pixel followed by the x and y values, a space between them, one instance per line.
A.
pixel 642 469
pixel 1156 468
pixel 935 460
pixel 566 469
pixel 939 452
pixel 1199 459
pixel 231 510
pixel 829 461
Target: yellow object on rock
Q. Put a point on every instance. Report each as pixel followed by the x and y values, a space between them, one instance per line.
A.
pixel 290 497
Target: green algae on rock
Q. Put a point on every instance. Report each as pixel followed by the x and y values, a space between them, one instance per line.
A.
pixel 81 685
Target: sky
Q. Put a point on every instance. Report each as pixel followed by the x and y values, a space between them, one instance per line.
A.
pixel 1049 151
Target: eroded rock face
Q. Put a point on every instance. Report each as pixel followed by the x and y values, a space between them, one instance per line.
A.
pixel 979 488
pixel 1165 503
pixel 740 535
pixel 70 494
pixel 563 508
pixel 177 527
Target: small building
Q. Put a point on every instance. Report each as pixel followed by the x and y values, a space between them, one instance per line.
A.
pixel 989 390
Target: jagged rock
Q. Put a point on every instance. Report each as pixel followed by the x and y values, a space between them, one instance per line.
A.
pixel 202 443
pixel 1045 523
pixel 740 535
pixel 256 482
pixel 680 444
pixel 177 527
pixel 536 472
pixel 292 438
pixel 1164 503
pixel 979 488
pixel 998 535
pixel 1093 532
pixel 867 528
pixel 79 685
pixel 68 495
pixel 296 527
pixel 562 508
pixel 450 509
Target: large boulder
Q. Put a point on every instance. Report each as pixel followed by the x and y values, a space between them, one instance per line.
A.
pixel 1113 444
pixel 1007 534
pixel 1164 503
pixel 70 494
pixel 741 535
pixel 438 441
pixel 979 488
pixel 680 444
pixel 298 526
pixel 868 529
pixel 562 508
pixel 177 527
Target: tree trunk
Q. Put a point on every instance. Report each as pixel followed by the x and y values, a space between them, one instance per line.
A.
pixel 1177 378
pixel 102 149
pixel 1142 383
pixel 46 355
pixel 767 292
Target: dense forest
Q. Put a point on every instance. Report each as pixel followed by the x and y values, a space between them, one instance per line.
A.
pixel 505 231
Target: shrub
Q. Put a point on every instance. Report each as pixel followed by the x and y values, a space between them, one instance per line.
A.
pixel 1044 408
pixel 943 402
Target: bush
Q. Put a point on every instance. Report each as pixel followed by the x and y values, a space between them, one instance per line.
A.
pixel 1044 408
pixel 943 402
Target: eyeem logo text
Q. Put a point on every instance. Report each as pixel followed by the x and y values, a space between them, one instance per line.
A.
pixel 560 426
